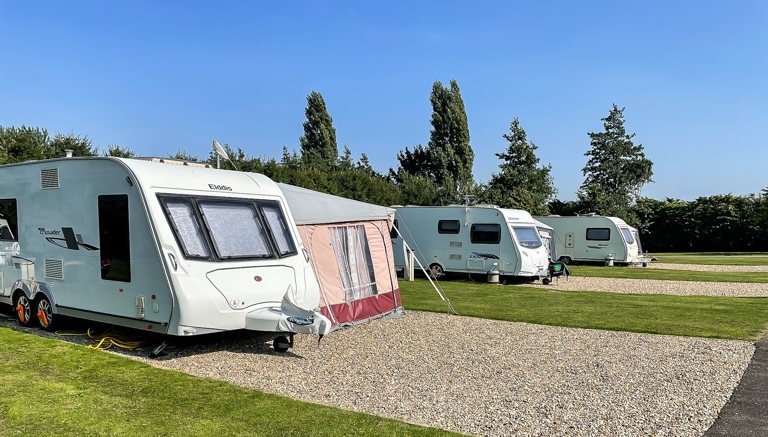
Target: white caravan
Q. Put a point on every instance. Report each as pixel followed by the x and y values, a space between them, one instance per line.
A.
pixel 175 249
pixel 596 239
pixel 471 239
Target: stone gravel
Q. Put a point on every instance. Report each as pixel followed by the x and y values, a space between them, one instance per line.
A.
pixel 492 378
pixel 707 267
pixel 654 286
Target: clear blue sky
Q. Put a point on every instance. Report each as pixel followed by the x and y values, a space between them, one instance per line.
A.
pixel 159 77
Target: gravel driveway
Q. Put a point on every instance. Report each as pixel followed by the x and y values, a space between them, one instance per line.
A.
pixel 493 378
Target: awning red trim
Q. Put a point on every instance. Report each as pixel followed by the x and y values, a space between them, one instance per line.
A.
pixel 365 308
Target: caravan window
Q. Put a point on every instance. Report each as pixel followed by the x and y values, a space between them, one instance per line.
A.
pixel 279 228
pixel 217 228
pixel 448 227
pixel 527 236
pixel 114 238
pixel 189 233
pixel 627 235
pixel 353 256
pixel 235 229
pixel 485 233
pixel 8 220
pixel 599 234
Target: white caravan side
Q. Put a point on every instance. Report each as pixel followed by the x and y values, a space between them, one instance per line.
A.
pixel 596 239
pixel 471 239
pixel 174 249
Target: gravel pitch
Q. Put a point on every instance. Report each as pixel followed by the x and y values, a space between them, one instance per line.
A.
pixel 492 378
pixel 654 286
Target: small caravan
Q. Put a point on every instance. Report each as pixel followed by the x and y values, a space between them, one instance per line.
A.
pixel 471 239
pixel 596 239
pixel 351 252
pixel 175 249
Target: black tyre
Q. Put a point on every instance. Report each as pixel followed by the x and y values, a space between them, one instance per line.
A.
pixel 281 344
pixel 436 271
pixel 45 316
pixel 22 306
pixel 566 260
pixel 546 281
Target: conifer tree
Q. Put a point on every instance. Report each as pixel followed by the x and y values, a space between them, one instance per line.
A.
pixel 318 144
pixel 616 170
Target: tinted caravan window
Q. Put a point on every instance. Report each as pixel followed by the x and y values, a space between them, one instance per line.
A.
pixel 9 230
pixel 598 234
pixel 279 227
pixel 114 239
pixel 485 233
pixel 186 226
pixel 235 229
pixel 448 227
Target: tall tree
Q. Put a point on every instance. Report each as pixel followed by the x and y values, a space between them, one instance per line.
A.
pixel 616 170
pixel 522 183
pixel 447 159
pixel 318 144
pixel 18 144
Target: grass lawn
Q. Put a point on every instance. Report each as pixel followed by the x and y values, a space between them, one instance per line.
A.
pixel 714 258
pixel 719 317
pixel 55 388
pixel 670 275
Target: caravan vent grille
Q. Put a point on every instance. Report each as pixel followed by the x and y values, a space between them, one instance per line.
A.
pixel 54 269
pixel 454 256
pixel 49 178
pixel 455 244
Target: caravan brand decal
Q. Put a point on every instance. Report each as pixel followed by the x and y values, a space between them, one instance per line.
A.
pixel 68 239
pixel 219 187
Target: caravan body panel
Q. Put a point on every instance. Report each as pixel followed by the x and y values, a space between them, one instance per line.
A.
pixel 177 249
pixel 471 239
pixel 595 239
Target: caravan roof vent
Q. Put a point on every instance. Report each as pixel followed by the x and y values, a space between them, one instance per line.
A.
pixel 54 269
pixel 49 178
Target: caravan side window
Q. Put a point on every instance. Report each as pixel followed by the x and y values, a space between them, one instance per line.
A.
pixel 9 225
pixel 598 234
pixel 448 227
pixel 485 233
pixel 114 238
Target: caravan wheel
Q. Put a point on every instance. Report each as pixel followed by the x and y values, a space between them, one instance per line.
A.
pixel 23 309
pixel 436 271
pixel 45 316
pixel 281 344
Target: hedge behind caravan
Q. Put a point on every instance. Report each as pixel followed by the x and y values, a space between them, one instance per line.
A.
pixel 174 249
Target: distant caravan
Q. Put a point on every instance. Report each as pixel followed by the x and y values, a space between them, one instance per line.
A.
pixel 174 249
pixel 471 239
pixel 596 239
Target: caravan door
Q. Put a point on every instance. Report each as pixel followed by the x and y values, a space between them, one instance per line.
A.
pixel 9 248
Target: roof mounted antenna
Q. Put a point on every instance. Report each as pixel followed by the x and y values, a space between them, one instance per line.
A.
pixel 469 200
pixel 221 153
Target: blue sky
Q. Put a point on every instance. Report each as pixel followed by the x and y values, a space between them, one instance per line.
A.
pixel 159 77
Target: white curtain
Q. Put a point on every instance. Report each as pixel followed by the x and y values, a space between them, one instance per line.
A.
pixel 235 229
pixel 187 227
pixel 353 256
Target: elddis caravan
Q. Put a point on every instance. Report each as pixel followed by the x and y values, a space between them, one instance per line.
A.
pixel 471 239
pixel 175 249
pixel 596 239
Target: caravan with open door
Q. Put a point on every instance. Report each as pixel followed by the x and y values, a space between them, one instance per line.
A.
pixel 471 239
pixel 596 239
pixel 175 249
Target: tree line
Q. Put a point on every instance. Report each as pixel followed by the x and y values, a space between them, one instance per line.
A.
pixel 440 173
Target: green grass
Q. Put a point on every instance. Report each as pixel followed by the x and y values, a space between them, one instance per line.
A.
pixel 714 258
pixel 669 275
pixel 719 317
pixel 51 387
